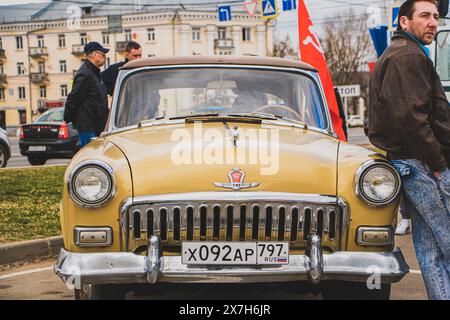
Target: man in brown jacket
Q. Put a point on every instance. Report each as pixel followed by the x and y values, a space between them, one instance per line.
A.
pixel 409 118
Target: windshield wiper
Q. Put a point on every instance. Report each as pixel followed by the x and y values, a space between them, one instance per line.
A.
pixel 278 117
pixel 196 115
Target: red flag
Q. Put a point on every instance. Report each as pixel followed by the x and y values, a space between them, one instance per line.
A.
pixel 311 53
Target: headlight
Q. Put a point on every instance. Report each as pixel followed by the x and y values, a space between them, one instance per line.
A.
pixel 377 183
pixel 92 184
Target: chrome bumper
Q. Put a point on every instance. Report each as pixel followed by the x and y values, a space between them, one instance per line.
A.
pixel 129 268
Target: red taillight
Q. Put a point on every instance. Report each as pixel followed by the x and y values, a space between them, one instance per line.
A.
pixel 63 132
pixel 21 133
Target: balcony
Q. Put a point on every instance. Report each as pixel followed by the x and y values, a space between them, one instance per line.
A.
pixel 3 81
pixel 224 44
pixel 121 45
pixel 2 55
pixel 78 49
pixel 38 52
pixel 38 77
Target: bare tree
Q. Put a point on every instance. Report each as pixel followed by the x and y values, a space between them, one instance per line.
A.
pixel 283 48
pixel 348 48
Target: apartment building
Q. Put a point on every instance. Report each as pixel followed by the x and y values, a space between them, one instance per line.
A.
pixel 41 45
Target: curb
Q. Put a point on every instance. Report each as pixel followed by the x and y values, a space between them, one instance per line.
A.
pixel 25 250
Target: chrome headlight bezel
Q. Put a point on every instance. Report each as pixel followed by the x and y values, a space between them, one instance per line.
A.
pixel 359 178
pixel 107 169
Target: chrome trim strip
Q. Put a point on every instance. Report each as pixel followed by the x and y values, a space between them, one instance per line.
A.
pixel 121 267
pixel 227 196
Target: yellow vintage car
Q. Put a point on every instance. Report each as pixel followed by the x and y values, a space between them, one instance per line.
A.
pixel 227 170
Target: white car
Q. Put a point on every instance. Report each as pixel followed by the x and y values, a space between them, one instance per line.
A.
pixel 355 121
pixel 5 148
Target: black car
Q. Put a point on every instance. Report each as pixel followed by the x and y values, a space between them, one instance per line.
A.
pixel 48 137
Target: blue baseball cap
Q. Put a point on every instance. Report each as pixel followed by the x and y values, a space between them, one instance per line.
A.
pixel 94 46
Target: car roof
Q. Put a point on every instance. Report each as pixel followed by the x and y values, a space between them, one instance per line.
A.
pixel 235 60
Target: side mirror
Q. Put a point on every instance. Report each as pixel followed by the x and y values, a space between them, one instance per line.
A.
pixel 443 8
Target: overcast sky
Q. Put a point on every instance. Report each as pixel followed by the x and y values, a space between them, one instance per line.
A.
pixel 320 10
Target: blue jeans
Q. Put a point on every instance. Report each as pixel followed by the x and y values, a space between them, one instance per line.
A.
pixel 86 137
pixel 427 199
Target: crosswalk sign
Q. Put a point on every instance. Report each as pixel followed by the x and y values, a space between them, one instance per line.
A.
pixel 393 17
pixel 269 9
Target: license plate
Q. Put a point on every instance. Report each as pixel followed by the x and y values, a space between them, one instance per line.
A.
pixel 235 253
pixel 36 148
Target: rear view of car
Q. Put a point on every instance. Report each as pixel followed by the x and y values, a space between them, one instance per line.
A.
pixel 48 137
pixel 5 148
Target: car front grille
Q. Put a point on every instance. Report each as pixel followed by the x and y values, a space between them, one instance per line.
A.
pixel 256 219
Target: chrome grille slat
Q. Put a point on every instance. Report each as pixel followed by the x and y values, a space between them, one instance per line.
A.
pixel 236 221
pixel 274 227
pixel 178 231
pixel 197 223
pixel 249 223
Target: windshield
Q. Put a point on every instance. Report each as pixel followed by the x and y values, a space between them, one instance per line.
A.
pixel 185 92
pixel 54 115
pixel 443 55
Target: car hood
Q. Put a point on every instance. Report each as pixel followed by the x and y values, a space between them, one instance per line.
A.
pixel 187 157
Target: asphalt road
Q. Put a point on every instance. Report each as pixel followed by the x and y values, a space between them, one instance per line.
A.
pixel 37 281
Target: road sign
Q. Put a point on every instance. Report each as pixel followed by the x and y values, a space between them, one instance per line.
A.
pixel 269 9
pixel 393 17
pixel 225 13
pixel 350 91
pixel 250 7
pixel 289 5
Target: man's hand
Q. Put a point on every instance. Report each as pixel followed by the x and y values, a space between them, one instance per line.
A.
pixel 438 174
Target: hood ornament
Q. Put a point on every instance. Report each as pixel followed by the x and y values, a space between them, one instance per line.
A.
pixel 236 183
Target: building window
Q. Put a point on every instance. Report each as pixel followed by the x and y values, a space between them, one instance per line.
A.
pixel 105 36
pixel 2 94
pixel 107 63
pixel 62 41
pixel 22 116
pixel 246 34
pixel 64 90
pixel 22 94
pixel 63 66
pixel 128 35
pixel 43 92
pixel 151 36
pixel 40 41
pixel 196 34
pixel 1 43
pixel 83 39
pixel 41 67
pixel 222 33
pixel 1 69
pixel 152 55
pixel 20 68
pixel 19 42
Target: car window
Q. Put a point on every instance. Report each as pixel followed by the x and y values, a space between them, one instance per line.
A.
pixel 182 92
pixel 51 116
